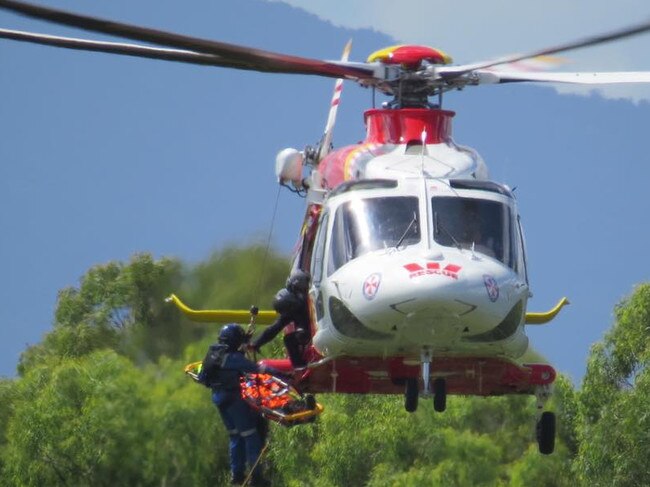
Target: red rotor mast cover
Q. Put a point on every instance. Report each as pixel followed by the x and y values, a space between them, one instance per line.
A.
pixel 407 124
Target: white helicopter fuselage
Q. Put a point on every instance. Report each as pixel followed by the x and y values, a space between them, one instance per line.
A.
pixel 416 250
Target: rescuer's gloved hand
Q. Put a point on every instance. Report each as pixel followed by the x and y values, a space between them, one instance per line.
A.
pixel 302 336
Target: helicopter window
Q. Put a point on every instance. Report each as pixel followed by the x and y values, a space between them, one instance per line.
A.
pixel 480 185
pixel 364 225
pixel 319 251
pixel 484 225
pixel 363 184
pixel 521 247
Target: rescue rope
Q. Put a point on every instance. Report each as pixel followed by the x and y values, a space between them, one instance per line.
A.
pixel 256 294
pixel 250 474
pixel 256 297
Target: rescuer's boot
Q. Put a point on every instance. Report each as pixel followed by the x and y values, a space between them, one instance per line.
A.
pixel 260 482
pixel 257 477
pixel 237 479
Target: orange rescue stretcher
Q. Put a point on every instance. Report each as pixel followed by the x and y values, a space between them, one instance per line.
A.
pixel 274 398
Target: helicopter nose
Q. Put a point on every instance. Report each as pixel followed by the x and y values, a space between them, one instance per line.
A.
pixel 424 300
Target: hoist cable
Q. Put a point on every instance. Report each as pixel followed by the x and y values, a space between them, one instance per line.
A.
pixel 256 295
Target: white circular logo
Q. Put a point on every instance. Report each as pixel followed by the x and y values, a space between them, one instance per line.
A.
pixel 371 285
pixel 491 287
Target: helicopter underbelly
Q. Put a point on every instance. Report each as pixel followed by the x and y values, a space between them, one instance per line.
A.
pixel 397 302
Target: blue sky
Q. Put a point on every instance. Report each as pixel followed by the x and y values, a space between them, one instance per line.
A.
pixel 102 156
pixel 472 30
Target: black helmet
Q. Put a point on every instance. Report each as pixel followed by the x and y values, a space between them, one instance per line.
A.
pixel 232 335
pixel 298 281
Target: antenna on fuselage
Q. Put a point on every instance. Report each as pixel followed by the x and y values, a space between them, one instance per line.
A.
pixel 423 146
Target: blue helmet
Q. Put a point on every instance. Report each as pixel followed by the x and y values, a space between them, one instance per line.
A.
pixel 232 335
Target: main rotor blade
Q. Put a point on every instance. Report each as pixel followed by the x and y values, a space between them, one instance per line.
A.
pixel 613 77
pixel 229 55
pixel 112 47
pixel 456 71
pixel 326 141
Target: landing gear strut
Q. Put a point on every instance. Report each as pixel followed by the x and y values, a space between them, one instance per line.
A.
pixel 426 371
pixel 439 384
pixel 412 388
pixel 545 426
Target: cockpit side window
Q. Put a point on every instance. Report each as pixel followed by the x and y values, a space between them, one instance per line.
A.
pixel 319 250
pixel 521 248
pixel 364 225
pixel 486 226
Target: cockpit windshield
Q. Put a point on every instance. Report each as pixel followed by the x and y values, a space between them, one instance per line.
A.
pixel 470 223
pixel 364 225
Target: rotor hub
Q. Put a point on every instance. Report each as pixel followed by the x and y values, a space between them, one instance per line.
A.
pixel 413 79
pixel 409 56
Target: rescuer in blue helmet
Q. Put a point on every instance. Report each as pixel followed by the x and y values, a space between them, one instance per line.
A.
pixel 222 368
pixel 291 304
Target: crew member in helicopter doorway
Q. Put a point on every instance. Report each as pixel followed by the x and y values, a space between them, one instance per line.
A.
pixel 291 304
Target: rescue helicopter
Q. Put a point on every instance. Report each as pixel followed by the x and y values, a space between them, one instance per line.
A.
pixel 417 259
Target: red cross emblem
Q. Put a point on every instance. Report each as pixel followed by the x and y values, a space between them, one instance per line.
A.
pixel 371 285
pixel 491 287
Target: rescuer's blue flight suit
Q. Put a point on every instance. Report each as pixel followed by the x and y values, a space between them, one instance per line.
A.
pixel 237 416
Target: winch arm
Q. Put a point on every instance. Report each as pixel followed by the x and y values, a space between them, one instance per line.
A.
pixel 221 316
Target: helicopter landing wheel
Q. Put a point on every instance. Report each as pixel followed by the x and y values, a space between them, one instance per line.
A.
pixel 440 394
pixel 411 395
pixel 546 433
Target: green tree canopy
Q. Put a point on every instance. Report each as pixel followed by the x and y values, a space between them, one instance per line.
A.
pixel 122 306
pixel 614 404
pixel 99 420
pixel 102 400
